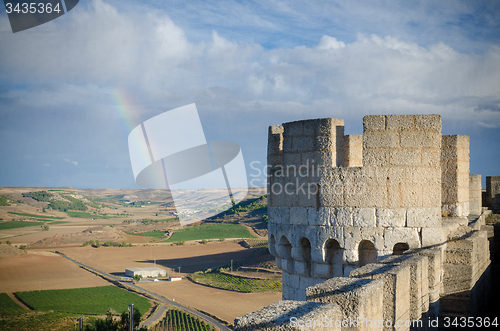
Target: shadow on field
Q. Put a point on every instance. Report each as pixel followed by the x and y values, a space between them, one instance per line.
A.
pixel 199 263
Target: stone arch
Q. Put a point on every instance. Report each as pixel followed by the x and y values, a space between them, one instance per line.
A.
pixel 399 248
pixel 332 251
pixel 284 249
pixel 367 253
pixel 333 257
pixel 305 253
pixel 272 245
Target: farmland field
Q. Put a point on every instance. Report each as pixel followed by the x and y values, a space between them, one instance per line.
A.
pixel 18 224
pixel 7 304
pixel 234 283
pixel 210 231
pixel 176 319
pixel 43 271
pixel 87 301
pixel 35 216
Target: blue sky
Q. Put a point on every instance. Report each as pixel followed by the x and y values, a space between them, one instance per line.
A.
pixel 71 90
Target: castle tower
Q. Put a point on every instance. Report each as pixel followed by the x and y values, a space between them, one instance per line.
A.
pixel 337 202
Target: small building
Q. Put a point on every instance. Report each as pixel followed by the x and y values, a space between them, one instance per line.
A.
pixel 146 272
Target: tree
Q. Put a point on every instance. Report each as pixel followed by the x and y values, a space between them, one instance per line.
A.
pixel 109 324
pixel 97 244
pixel 137 277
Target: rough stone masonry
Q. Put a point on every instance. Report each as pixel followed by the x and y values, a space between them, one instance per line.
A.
pixel 342 206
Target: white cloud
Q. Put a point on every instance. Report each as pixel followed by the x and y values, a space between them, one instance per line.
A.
pixel 488 125
pixel 102 48
pixel 72 162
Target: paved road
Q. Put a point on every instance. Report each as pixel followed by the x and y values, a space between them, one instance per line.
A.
pixel 162 299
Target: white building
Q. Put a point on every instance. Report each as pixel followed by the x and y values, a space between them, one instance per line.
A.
pixel 146 272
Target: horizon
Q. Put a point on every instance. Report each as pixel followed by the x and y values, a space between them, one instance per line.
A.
pixel 72 90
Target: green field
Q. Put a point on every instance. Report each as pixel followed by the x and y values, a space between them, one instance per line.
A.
pixel 239 284
pixel 57 222
pixel 176 319
pixel 87 301
pixel 17 224
pixel 81 214
pixel 36 216
pixel 210 231
pixel 7 304
pixel 159 234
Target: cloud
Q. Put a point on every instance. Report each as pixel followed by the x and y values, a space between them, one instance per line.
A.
pixel 72 162
pixel 99 47
pixel 488 125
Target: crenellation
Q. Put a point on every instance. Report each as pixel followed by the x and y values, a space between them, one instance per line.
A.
pixel 372 205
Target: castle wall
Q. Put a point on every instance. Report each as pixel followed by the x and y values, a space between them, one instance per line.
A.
pixel 353 150
pixel 366 233
pixel 455 175
pixel 475 197
pixel 493 192
pixel 334 218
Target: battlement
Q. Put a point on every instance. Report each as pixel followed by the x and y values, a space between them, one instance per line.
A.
pixel 336 204
pixel 373 226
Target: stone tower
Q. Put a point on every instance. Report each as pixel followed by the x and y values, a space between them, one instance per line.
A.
pixel 337 202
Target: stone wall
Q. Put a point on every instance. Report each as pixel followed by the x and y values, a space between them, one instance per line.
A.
pixel 475 195
pixel 403 292
pixel 455 175
pixel 493 192
pixel 326 218
pixel 353 150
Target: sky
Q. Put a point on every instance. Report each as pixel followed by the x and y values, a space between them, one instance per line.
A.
pixel 72 90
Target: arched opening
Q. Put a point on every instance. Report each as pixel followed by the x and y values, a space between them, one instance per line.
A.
pixel 367 253
pixel 271 245
pixel 333 256
pixel 305 249
pixel 399 248
pixel 333 252
pixel 285 248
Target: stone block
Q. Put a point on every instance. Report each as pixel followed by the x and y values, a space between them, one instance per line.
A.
pixel 412 196
pixel 391 217
pixel 302 268
pixel 350 255
pixel 323 234
pixel 325 143
pixel 348 268
pixel 393 236
pixel 396 289
pixel 426 139
pixel 288 315
pixel 302 144
pixel 381 139
pixel 405 157
pixel 290 157
pixel 423 217
pixel 293 128
pixel 376 157
pixel 298 215
pixel 433 237
pixel 399 122
pixel 428 122
pixel 322 270
pixel 324 158
pixel 430 157
pixel 342 217
pixel 357 298
pixel 364 217
pixel 373 123
pixel 434 256
pixel 419 285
